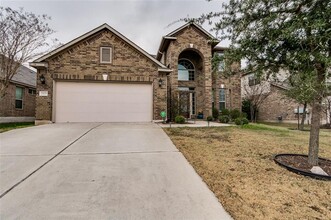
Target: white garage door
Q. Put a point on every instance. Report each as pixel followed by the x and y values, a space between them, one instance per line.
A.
pixel 103 102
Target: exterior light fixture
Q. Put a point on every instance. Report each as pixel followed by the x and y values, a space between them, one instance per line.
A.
pixel 222 86
pixel 42 79
pixel 160 82
pixel 105 76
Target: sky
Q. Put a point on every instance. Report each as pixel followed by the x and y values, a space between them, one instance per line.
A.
pixel 142 21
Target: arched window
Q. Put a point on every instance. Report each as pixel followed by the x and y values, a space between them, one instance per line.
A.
pixel 185 70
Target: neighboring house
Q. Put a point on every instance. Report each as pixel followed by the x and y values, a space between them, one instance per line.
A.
pixel 102 76
pixel 276 105
pixel 19 103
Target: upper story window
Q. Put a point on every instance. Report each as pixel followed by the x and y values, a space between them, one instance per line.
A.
pixel 106 55
pixel 185 70
pixel 253 80
pixel 19 98
pixel 221 64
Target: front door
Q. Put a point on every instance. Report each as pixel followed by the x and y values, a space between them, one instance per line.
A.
pixel 187 103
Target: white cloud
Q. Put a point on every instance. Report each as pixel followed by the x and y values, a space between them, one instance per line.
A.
pixel 142 21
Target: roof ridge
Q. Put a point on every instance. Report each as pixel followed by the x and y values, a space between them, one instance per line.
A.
pixel 93 31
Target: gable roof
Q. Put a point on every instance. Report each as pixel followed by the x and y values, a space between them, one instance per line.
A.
pixel 90 33
pixel 172 36
pixel 25 76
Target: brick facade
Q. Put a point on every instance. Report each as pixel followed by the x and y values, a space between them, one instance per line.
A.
pixel 195 46
pixel 7 104
pixel 277 104
pixel 80 62
pixel 232 86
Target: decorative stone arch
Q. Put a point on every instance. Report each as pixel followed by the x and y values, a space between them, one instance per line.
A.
pixel 194 49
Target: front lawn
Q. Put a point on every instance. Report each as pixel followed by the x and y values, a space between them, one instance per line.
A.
pixel 10 126
pixel 237 165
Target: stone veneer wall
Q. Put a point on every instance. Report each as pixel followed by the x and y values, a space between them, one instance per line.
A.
pixel 191 38
pixel 81 62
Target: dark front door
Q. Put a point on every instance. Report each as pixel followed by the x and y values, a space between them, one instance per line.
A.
pixel 186 103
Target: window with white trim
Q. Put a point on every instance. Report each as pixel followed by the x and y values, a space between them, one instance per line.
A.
pixel 19 97
pixel 185 70
pixel 106 55
pixel 222 100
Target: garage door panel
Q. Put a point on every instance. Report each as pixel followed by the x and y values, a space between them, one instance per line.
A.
pixel 103 102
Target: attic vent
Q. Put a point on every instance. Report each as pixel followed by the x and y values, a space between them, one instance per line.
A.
pixel 105 55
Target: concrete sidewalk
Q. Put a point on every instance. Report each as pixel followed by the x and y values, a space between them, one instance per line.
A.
pixel 99 171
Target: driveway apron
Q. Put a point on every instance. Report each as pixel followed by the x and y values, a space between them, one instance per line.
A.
pixel 99 171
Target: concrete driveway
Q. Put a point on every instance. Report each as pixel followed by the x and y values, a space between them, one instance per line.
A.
pixel 99 171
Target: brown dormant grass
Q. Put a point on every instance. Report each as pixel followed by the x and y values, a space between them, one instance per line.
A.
pixel 236 163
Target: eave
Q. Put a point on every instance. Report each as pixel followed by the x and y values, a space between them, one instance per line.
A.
pixel 39 65
pixel 92 32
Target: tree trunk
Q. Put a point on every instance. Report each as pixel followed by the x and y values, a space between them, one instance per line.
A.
pixel 303 117
pixel 251 112
pixel 255 114
pixel 314 132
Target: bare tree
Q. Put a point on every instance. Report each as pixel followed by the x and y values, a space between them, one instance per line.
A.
pixel 23 36
pixel 256 95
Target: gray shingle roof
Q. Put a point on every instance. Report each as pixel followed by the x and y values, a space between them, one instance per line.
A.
pixel 26 76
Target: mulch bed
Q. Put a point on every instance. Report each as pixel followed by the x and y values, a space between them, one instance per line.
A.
pixel 301 162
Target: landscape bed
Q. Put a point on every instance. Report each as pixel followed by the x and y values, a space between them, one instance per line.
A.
pixel 237 165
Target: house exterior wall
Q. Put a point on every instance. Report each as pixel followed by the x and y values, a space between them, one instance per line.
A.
pixel 277 104
pixel 232 86
pixel 247 90
pixel 7 104
pixel 192 39
pixel 81 62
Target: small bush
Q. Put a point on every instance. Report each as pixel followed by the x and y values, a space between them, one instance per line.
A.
pixel 225 112
pixel 234 114
pixel 245 121
pixel 209 118
pixel 179 119
pixel 241 121
pixel 216 113
pixel 244 115
pixel 224 119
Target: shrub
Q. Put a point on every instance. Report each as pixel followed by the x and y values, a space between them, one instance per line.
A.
pixel 209 118
pixel 234 114
pixel 179 119
pixel 224 119
pixel 245 121
pixel 225 112
pixel 216 113
pixel 241 121
pixel 244 115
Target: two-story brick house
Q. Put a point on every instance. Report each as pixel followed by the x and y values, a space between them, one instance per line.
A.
pixel 102 76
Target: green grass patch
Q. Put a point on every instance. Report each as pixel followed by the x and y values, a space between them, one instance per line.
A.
pixel 10 126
